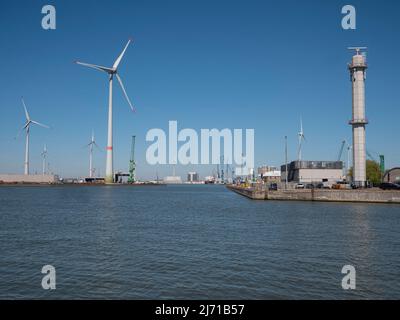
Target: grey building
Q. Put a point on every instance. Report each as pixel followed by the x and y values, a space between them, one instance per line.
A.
pixel 193 177
pixel 313 171
pixel 392 175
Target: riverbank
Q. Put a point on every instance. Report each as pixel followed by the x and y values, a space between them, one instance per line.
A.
pixel 366 196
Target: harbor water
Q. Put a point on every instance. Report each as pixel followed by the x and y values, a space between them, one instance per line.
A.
pixel 192 242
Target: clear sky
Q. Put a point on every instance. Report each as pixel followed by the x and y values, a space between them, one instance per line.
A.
pixel 207 64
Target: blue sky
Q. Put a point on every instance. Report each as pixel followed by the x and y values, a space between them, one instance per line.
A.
pixel 206 64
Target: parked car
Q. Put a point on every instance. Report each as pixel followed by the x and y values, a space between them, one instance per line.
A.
pixel 300 186
pixel 326 184
pixel 320 186
pixel 354 186
pixel 389 186
pixel 310 186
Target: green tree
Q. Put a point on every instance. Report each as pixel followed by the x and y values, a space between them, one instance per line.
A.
pixel 374 173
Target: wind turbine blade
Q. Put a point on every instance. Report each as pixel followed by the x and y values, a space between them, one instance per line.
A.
pixel 123 89
pixel 26 111
pixel 97 147
pixel 44 150
pixel 94 66
pixel 22 129
pixel 301 125
pixel 116 63
pixel 40 124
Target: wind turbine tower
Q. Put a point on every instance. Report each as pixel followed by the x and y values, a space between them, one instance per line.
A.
pixel 113 71
pixel 301 138
pixel 44 156
pixel 357 68
pixel 26 127
pixel 91 144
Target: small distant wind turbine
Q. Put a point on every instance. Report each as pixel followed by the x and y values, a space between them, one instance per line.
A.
pixel 111 72
pixel 44 156
pixel 301 138
pixel 91 144
pixel 26 127
pixel 349 150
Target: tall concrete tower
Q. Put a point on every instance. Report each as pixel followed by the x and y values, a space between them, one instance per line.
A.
pixel 358 67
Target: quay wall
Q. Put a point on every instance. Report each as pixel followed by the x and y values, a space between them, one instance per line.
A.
pixel 31 178
pixel 367 195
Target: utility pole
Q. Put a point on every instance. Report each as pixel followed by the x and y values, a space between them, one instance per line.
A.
pixel 132 163
pixel 286 164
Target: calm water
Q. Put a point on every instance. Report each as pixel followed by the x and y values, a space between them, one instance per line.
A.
pixel 198 242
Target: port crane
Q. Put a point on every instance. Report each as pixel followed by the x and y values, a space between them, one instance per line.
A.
pixel 132 163
pixel 222 170
pixel 341 150
pixel 381 160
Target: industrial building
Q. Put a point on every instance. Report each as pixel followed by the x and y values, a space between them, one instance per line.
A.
pixel 173 180
pixel 269 174
pixel 392 175
pixel 313 171
pixel 193 177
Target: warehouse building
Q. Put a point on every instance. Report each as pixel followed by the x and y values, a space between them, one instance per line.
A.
pixel 193 177
pixel 269 174
pixel 313 171
pixel 392 175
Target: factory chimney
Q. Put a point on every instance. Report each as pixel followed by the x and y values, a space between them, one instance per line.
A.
pixel 357 69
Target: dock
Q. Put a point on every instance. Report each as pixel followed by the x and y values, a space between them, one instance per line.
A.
pixel 321 195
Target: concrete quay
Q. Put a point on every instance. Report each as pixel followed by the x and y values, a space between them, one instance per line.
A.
pixel 28 179
pixel 323 195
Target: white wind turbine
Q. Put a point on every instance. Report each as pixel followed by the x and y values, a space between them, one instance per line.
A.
pixel 301 138
pixel 26 127
pixel 111 72
pixel 91 144
pixel 44 156
pixel 349 150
